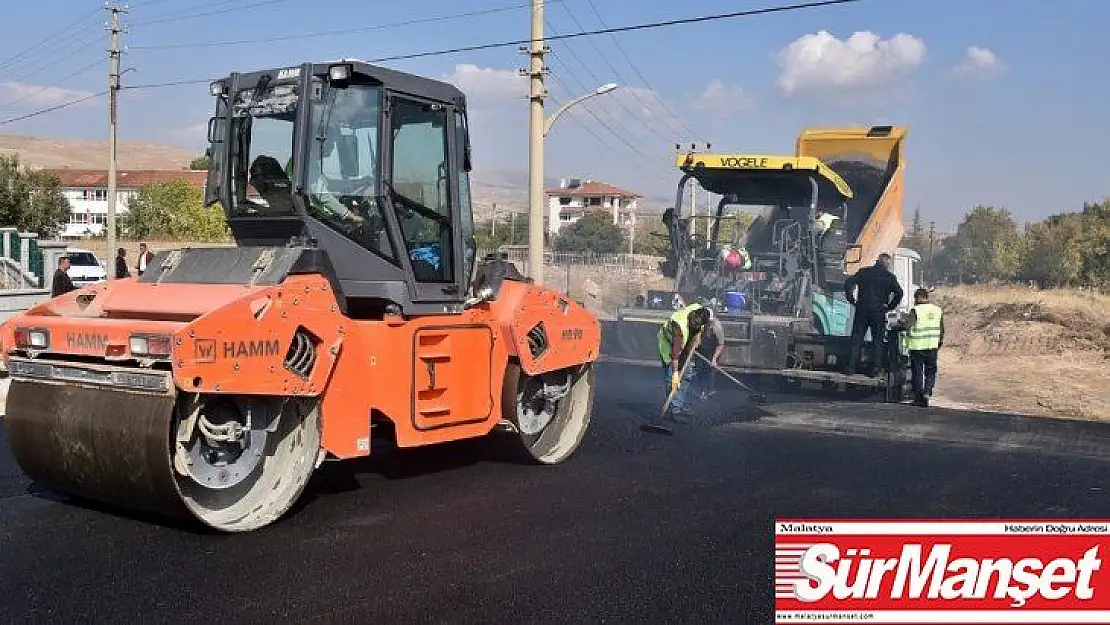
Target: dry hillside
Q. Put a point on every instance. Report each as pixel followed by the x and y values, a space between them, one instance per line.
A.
pixel 77 154
pixel 1026 351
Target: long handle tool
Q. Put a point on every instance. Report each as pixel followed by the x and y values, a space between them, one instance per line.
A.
pixel 757 397
pixel 657 426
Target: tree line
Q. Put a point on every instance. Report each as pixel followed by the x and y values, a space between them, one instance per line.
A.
pixel 1070 249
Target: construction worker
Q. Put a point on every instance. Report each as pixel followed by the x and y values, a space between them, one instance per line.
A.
pixel 675 339
pixel 879 293
pixel 711 347
pixel 924 338
pixel 822 222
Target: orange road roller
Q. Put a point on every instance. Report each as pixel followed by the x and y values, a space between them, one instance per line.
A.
pixel 214 384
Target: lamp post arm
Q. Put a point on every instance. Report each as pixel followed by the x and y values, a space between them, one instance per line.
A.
pixel 559 111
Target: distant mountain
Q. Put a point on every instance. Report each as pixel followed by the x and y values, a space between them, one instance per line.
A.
pixel 56 153
pixel 505 188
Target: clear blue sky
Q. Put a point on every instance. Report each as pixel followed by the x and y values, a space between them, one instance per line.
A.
pixel 1017 122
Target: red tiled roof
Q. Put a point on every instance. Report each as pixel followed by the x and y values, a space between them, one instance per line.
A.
pixel 126 179
pixel 592 188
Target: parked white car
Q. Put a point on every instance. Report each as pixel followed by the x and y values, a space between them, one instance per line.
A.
pixel 85 268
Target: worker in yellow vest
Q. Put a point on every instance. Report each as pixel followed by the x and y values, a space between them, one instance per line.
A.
pixel 823 220
pixel 923 340
pixel 676 339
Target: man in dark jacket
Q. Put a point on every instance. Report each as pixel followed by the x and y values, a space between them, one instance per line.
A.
pixel 61 283
pixel 121 264
pixel 879 293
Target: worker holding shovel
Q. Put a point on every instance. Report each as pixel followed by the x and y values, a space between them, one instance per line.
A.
pixel 678 338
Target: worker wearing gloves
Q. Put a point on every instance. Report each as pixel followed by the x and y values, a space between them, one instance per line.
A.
pixel 879 293
pixel 676 338
pixel 924 338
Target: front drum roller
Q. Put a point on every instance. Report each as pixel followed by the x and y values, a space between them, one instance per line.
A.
pixel 550 412
pixel 233 463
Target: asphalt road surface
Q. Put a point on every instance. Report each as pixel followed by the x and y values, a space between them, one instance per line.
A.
pixel 636 528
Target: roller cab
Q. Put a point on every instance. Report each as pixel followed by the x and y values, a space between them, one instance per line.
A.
pixel 352 308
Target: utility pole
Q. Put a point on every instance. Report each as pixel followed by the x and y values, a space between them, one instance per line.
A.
pixel 113 92
pixel 932 239
pixel 535 72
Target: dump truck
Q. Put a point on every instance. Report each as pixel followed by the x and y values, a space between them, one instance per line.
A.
pixel 784 313
pixel 353 309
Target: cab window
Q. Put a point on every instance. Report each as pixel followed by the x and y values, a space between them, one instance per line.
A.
pixel 420 189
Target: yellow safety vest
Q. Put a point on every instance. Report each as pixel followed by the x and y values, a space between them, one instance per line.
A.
pixel 925 333
pixel 826 220
pixel 682 318
pixel 746 256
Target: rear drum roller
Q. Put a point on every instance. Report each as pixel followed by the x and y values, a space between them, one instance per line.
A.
pixel 241 462
pixel 550 413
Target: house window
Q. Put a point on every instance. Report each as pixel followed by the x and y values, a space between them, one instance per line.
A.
pixel 95 195
pixel 564 201
pixel 99 218
pixel 78 218
pixel 594 201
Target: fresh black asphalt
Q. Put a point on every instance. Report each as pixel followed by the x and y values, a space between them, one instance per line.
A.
pixel 636 528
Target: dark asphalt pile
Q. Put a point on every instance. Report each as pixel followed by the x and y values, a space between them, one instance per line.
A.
pixel 636 528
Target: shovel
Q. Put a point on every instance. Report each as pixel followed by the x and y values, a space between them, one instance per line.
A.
pixel 657 427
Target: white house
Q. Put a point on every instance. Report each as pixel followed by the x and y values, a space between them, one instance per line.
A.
pixel 572 199
pixel 87 192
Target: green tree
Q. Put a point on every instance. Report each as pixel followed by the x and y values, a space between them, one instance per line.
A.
pixel 1095 242
pixel 987 246
pixel 201 163
pixel 173 210
pixel 504 234
pixel 595 232
pixel 31 200
pixel 651 237
pixel 1055 252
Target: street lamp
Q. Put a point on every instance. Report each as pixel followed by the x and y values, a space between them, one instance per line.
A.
pixel 602 90
pixel 535 180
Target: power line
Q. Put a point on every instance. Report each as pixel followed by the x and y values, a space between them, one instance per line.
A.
pixel 622 29
pixel 341 31
pixel 53 108
pixel 178 16
pixel 589 33
pixel 635 70
pixel 602 31
pixel 59 53
pixel 587 106
pixel 53 84
pixel 46 40
pixel 597 81
pixel 620 102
